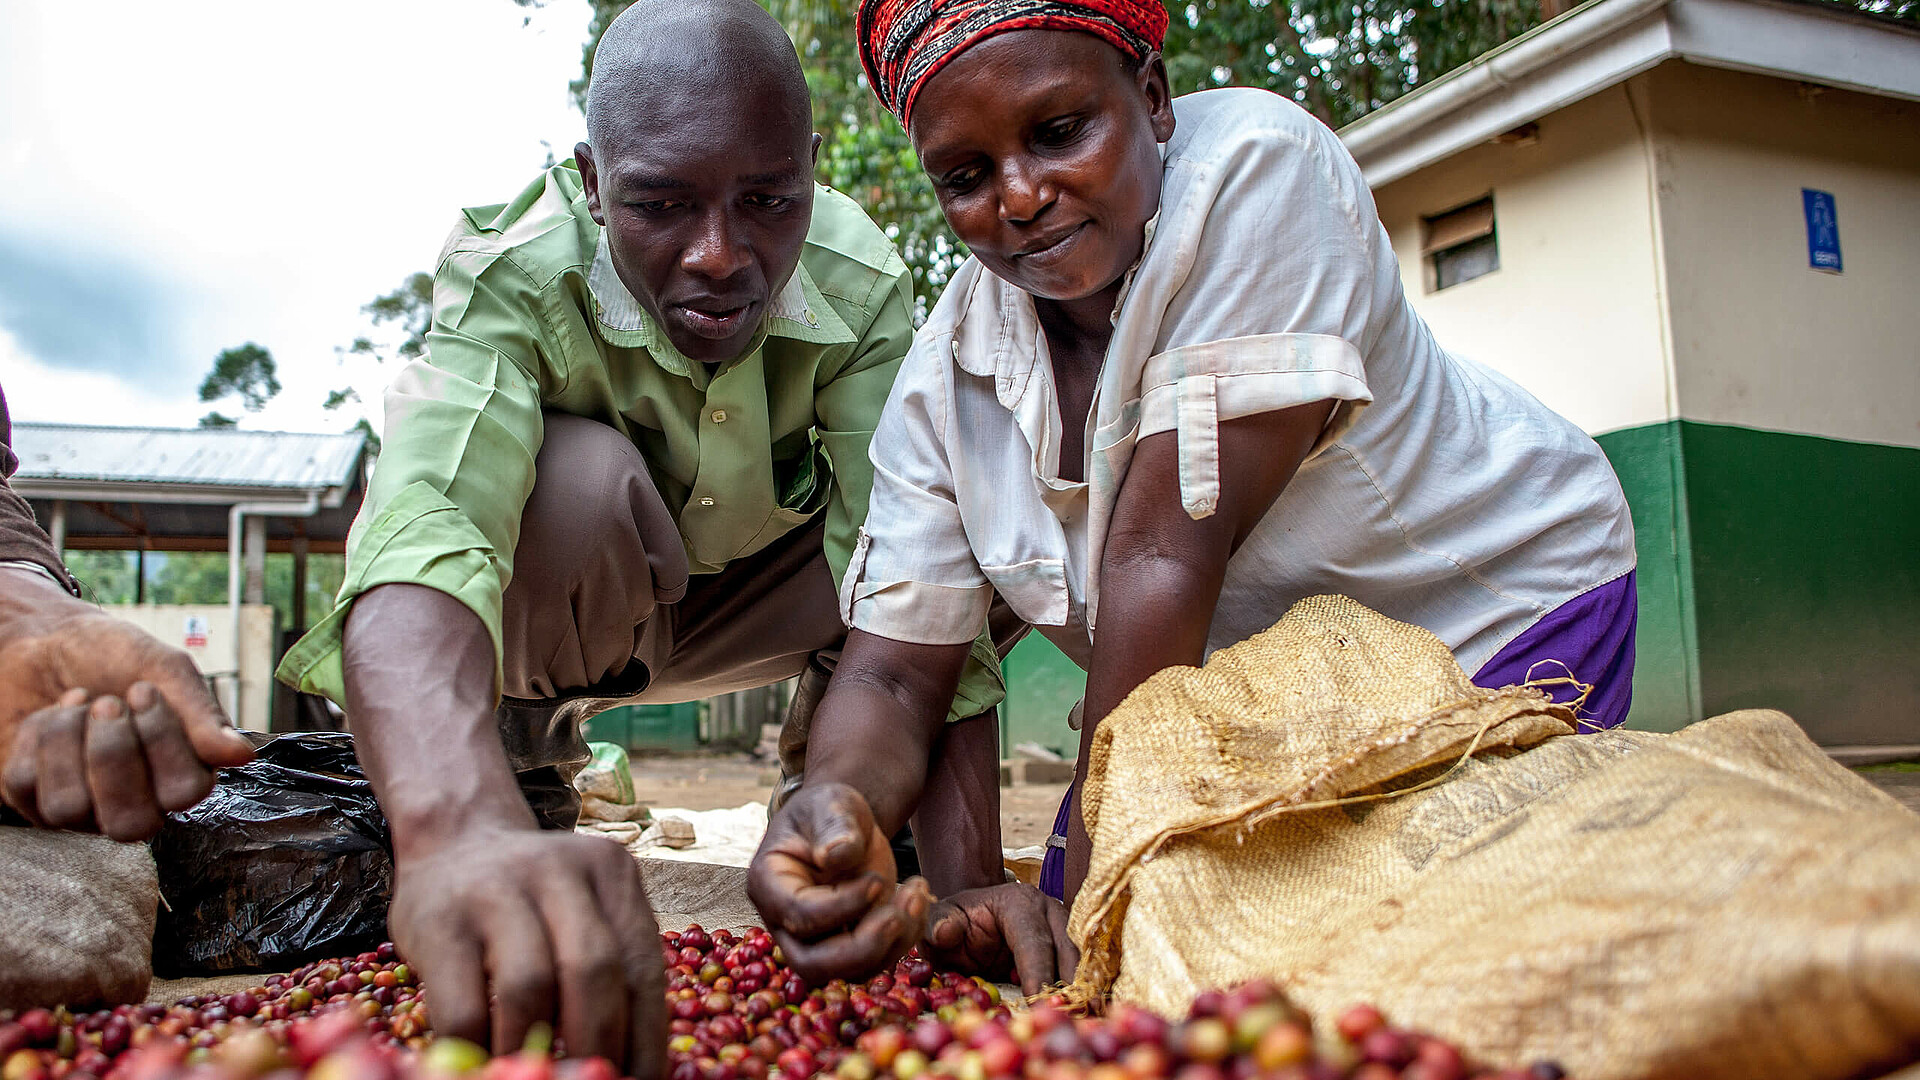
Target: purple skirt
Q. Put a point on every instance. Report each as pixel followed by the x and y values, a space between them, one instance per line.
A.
pixel 1591 635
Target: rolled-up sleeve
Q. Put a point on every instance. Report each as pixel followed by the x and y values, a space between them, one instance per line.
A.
pixel 850 409
pixel 913 576
pixel 1248 327
pixel 462 430
pixel 849 406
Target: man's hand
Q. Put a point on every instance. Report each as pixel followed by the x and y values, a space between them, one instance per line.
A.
pixel 551 927
pixel 104 727
pixel 1002 929
pixel 824 881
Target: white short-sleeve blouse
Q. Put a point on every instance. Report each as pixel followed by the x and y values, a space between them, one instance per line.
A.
pixel 1440 494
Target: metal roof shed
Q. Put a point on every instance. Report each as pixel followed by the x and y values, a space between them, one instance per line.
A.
pixel 197 489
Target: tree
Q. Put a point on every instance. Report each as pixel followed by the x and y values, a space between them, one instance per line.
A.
pixel 106 577
pixel 201 578
pixel 246 370
pixel 400 319
pixel 1340 59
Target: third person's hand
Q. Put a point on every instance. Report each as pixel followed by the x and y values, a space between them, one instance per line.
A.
pixel 115 765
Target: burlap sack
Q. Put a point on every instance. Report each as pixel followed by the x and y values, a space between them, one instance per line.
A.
pixel 1721 903
pixel 76 919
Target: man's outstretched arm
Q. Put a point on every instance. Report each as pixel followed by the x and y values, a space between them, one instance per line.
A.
pixel 511 926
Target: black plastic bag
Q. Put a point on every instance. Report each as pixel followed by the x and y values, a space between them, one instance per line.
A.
pixel 288 860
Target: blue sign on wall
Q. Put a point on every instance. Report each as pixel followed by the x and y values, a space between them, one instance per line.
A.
pixel 1823 230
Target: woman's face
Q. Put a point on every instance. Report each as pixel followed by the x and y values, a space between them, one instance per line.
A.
pixel 1042 149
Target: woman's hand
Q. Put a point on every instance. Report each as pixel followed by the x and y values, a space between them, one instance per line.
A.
pixel 824 880
pixel 1001 931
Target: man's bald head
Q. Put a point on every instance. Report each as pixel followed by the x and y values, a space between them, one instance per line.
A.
pixel 699 165
pixel 718 51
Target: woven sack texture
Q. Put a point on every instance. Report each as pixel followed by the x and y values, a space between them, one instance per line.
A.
pixel 76 919
pixel 1725 902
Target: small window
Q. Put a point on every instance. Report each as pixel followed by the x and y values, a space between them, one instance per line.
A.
pixel 1461 245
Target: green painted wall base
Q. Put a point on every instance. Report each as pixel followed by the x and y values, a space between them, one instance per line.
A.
pixel 1776 571
pixel 1649 461
pixel 649 729
pixel 1042 686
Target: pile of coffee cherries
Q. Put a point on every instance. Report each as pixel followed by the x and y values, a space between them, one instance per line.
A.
pixel 348 1019
pixel 736 1012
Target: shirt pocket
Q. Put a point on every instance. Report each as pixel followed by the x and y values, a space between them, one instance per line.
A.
pixel 1113 441
pixel 801 494
pixel 1036 589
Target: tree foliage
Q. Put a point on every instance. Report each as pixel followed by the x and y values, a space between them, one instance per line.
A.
pixel 1340 59
pixel 108 577
pixel 245 370
pixel 399 322
pixel 409 309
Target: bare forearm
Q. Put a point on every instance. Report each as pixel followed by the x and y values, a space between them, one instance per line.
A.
pixel 420 701
pixel 30 602
pixel 957 827
pixel 863 738
pixel 1154 614
pixel 881 718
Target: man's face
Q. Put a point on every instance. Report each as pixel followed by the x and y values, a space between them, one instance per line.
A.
pixel 706 201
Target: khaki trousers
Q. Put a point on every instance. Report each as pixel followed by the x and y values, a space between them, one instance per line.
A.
pixel 602 611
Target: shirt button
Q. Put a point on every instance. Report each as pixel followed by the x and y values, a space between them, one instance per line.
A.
pixel 719 416
pixel 812 319
pixel 706 501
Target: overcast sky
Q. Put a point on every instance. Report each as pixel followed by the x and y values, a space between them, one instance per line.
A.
pixel 177 178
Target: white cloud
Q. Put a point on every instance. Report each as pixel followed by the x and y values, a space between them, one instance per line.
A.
pixel 38 392
pixel 276 166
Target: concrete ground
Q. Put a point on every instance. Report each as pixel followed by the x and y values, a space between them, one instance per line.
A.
pixel 1026 810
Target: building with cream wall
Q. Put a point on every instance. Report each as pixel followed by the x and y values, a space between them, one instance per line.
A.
pixel 1645 161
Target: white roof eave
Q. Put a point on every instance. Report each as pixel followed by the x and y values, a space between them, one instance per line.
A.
pixel 1605 42
pixel 79 489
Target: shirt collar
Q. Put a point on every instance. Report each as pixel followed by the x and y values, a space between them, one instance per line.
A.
pixel 1007 351
pixel 798 311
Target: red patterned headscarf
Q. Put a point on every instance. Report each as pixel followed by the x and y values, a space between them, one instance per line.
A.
pixel 904 42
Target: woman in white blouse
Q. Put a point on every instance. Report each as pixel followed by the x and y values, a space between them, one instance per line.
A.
pixel 1177 388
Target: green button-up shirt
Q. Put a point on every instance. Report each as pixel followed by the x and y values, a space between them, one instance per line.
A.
pixel 528 314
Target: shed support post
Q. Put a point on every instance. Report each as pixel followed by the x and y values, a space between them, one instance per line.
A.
pixel 299 604
pixel 255 553
pixel 235 518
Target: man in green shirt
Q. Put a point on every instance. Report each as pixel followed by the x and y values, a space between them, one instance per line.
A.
pixel 630 466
